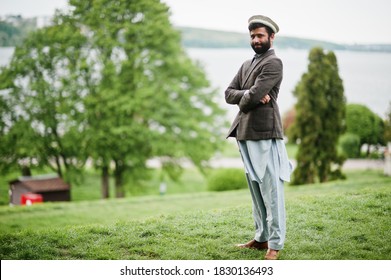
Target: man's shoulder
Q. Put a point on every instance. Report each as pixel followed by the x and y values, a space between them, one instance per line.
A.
pixel 272 58
pixel 271 54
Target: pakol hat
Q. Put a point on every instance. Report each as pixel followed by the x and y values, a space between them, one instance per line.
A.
pixel 264 20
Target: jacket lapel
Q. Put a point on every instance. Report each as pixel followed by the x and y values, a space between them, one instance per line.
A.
pixel 254 65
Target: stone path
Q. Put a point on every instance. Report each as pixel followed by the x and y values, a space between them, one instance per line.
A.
pixel 350 164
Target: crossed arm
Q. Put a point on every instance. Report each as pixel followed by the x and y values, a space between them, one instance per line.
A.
pixel 233 96
pixel 259 92
pixel 265 99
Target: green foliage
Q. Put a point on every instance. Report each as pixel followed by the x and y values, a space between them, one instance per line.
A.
pixel 330 221
pixel 360 120
pixel 41 105
pixel 109 81
pixel 320 118
pixel 350 145
pixel 226 179
pixel 18 147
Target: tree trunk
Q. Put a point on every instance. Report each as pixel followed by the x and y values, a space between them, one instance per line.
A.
pixel 118 178
pixel 105 182
pixel 368 150
pixel 26 171
pixel 59 170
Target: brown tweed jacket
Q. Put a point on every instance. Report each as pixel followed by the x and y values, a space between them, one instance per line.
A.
pixel 256 121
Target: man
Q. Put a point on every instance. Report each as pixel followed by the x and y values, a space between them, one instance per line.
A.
pixel 258 131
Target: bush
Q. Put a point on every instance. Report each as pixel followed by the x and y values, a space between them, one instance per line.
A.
pixel 350 145
pixel 226 179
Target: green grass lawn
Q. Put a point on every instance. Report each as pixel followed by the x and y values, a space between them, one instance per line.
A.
pixel 338 220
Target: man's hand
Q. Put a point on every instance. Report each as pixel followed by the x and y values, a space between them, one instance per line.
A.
pixel 265 99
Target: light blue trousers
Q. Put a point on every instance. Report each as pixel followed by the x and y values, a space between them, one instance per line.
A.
pixel 267 167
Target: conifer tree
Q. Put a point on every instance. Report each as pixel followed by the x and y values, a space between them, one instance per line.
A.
pixel 320 120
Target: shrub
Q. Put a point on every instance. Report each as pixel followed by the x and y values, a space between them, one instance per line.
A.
pixel 350 145
pixel 226 179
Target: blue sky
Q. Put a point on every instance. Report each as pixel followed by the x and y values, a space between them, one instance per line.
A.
pixel 340 21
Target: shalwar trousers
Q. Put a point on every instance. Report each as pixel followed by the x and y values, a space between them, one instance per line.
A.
pixel 267 167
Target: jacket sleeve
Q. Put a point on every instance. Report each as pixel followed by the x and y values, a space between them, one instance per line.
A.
pixel 269 76
pixel 234 93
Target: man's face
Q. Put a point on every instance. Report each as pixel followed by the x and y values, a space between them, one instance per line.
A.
pixel 260 40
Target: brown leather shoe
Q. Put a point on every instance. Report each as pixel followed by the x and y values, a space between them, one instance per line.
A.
pixel 253 244
pixel 272 254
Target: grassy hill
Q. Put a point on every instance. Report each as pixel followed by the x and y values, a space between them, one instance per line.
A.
pixel 338 220
pixel 205 38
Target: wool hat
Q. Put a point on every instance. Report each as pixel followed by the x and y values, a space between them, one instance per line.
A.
pixel 264 20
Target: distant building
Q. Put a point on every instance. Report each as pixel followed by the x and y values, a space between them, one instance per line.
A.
pixel 52 188
pixel 32 22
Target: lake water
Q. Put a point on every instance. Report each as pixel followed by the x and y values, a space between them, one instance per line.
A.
pixel 366 76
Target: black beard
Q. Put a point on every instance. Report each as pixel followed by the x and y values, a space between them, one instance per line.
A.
pixel 261 48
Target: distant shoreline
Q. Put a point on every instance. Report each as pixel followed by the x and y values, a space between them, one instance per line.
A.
pixel 206 38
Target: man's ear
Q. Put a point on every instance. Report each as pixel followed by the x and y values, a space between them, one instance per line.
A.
pixel 271 38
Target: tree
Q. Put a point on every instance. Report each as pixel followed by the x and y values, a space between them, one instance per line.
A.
pixel 360 120
pixel 151 100
pixel 320 117
pixel 387 126
pixel 134 92
pixel 42 102
pixel 349 144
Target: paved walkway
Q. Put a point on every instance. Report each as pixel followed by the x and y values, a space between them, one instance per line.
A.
pixel 350 164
